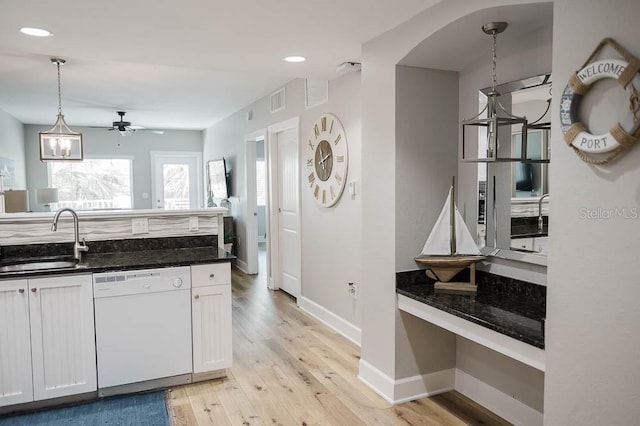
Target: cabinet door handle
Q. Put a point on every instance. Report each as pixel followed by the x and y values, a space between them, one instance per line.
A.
pixel 212 275
pixel 21 290
pixel 197 296
pixel 34 290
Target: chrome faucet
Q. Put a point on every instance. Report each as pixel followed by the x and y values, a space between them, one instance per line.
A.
pixel 78 247
pixel 540 221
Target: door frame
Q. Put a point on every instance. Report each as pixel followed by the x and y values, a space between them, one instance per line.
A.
pixel 250 141
pixel 273 222
pixel 186 154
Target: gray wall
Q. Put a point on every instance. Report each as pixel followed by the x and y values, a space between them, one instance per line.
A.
pixel 592 316
pixel 12 146
pixel 426 160
pixel 330 234
pixel 101 143
pixel 381 122
pixel 426 154
pixel 593 367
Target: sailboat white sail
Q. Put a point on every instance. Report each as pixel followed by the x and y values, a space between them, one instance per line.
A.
pixel 450 248
pixel 439 241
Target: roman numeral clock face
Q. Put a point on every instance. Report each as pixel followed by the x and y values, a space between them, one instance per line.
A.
pixel 327 160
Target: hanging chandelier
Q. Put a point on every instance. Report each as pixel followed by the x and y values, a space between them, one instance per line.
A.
pixel 60 142
pixel 495 117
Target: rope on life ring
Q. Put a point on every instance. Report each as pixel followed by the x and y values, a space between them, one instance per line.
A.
pixel 622 135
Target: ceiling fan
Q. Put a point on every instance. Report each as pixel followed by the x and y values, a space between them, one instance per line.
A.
pixel 125 128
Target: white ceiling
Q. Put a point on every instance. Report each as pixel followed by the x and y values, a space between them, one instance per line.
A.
pixel 171 64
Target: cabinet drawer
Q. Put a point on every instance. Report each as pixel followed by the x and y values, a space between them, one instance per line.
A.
pixel 210 274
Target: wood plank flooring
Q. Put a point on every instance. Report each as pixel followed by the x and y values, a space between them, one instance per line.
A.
pixel 289 369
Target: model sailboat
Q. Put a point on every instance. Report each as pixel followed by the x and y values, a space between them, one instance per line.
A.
pixel 450 248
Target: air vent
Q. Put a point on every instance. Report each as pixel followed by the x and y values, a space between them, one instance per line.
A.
pixel 316 92
pixel 278 101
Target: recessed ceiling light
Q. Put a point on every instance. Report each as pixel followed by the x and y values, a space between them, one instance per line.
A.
pixel 295 59
pixel 36 32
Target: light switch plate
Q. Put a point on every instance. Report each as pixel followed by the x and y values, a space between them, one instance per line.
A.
pixel 140 226
pixel 193 223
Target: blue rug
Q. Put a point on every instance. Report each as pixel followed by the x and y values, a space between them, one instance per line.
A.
pixel 142 409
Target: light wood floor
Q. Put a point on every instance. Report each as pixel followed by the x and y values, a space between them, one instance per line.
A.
pixel 289 369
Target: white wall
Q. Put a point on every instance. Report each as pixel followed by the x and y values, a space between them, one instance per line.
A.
pixel 593 367
pixel 12 147
pixel 104 143
pixel 330 236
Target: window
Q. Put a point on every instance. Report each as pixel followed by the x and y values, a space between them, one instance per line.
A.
pixel 96 183
pixel 261 186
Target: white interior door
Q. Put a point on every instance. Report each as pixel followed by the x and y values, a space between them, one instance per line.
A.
pixel 251 220
pixel 176 180
pixel 289 258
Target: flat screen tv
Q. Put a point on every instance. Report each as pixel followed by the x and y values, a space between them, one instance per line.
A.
pixel 218 179
pixel 524 177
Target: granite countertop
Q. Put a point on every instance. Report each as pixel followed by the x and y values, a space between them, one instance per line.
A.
pixel 114 256
pixel 519 316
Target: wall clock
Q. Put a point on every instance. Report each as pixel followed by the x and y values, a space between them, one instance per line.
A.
pixel 327 160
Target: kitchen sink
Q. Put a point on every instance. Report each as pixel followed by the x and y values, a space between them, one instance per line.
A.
pixel 38 265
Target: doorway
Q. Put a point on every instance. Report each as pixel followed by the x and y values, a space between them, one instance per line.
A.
pixel 281 250
pixel 175 182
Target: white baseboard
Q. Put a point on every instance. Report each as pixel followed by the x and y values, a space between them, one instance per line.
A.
pixel 409 388
pixel 430 384
pixel 495 400
pixel 416 387
pixel 331 320
pixel 378 381
pixel 242 265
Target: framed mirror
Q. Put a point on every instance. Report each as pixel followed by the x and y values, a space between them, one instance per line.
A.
pixel 513 197
pixel 217 179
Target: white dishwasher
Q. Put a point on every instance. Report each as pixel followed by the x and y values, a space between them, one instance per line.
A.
pixel 143 328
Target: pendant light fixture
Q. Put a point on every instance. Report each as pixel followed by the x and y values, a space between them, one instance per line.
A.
pixel 60 142
pixel 494 116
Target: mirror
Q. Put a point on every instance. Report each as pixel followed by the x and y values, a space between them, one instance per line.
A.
pixel 218 180
pixel 513 197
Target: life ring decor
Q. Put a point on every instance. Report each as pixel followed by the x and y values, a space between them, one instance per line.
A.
pixel 622 135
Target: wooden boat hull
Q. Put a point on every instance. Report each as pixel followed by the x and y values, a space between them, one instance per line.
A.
pixel 447 267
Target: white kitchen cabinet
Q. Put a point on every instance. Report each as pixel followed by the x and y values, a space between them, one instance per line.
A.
pixel 58 326
pixel 211 317
pixel 15 344
pixel 525 243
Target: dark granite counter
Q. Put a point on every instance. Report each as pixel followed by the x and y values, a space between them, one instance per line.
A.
pixel 510 307
pixel 528 227
pixel 117 255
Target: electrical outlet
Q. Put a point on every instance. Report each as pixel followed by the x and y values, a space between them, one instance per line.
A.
pixel 140 226
pixel 353 289
pixel 193 223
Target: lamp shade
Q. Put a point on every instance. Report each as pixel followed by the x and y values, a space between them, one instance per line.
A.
pixel 16 201
pixel 46 195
